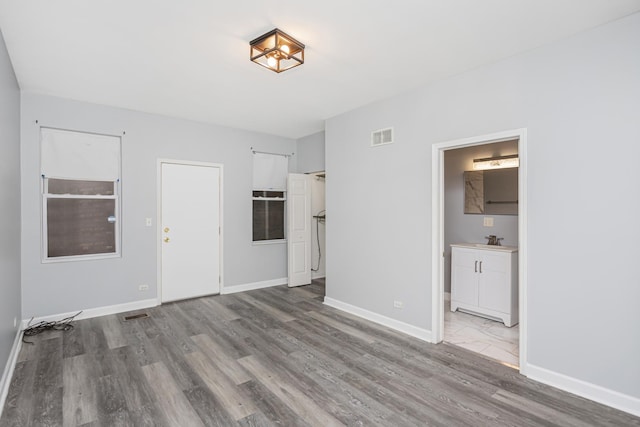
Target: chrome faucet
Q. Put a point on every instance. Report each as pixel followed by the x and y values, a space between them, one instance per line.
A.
pixel 494 240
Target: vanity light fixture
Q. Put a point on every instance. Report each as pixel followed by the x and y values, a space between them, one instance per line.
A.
pixel 498 162
pixel 277 51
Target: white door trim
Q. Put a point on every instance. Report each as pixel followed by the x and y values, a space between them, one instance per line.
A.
pixel 437 229
pixel 159 219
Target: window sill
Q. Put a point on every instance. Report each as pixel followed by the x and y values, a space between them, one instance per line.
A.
pixel 75 258
pixel 269 242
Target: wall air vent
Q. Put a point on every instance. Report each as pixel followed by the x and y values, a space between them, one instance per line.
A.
pixel 382 137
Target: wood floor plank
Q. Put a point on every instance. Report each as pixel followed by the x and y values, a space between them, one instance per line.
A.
pixel 289 394
pixel 270 407
pixel 272 311
pixel 219 311
pixel 216 353
pixel 350 405
pixel 140 344
pixel 172 329
pixel 72 340
pixel 113 331
pixel 304 293
pixel 209 408
pixel 172 402
pixel 28 350
pixel 190 324
pixel 238 405
pixel 112 408
pixel 18 408
pixel 281 303
pixel 93 337
pixel 257 420
pixel 47 383
pixel 79 400
pixel 342 327
pixel 135 389
pixel 172 357
pixel 525 405
pixel 282 293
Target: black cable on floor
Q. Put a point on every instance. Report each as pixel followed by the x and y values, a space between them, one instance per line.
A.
pixel 319 218
pixel 40 327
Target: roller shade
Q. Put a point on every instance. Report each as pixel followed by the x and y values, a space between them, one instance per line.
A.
pixel 270 172
pixel 79 155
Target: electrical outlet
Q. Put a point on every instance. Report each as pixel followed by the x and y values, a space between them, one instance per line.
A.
pixel 143 287
pixel 148 222
pixel 488 221
pixel 15 322
pixel 397 304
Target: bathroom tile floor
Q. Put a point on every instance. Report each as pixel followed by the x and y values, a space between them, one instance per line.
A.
pixel 488 337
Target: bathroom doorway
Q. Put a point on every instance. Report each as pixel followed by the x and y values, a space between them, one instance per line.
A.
pixel 476 324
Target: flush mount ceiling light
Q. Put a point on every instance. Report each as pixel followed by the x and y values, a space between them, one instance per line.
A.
pixel 499 162
pixel 277 51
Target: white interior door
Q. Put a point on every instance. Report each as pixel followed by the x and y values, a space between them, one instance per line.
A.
pixel 190 231
pixel 299 229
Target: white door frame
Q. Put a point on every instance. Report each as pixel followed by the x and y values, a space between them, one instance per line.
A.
pixel 159 219
pixel 437 228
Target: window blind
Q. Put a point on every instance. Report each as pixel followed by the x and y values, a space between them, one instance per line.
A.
pixel 79 155
pixel 270 172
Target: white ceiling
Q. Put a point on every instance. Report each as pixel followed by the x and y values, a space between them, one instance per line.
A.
pixel 190 58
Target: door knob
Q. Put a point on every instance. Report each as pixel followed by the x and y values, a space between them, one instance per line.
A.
pixel 166 229
pixel 166 240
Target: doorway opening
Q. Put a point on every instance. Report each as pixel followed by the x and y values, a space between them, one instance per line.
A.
pixel 473 305
pixel 487 285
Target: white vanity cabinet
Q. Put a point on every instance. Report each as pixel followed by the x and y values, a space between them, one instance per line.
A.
pixel 484 281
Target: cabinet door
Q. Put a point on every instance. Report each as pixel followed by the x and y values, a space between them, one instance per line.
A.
pixel 464 280
pixel 494 289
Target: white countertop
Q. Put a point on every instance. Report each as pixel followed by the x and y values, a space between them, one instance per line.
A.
pixel 487 247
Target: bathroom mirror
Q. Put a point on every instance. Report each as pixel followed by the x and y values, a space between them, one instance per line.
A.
pixel 492 191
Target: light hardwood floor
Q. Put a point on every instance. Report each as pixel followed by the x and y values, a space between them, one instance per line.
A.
pixel 275 356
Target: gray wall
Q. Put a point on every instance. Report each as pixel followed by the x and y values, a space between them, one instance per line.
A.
pixel 310 153
pixel 9 205
pixel 468 228
pixel 579 100
pixel 65 287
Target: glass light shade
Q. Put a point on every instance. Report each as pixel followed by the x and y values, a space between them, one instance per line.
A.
pixel 500 162
pixel 277 51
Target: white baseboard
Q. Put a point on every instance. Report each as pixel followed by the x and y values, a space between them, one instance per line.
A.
pixel 254 286
pixel 414 331
pixel 584 389
pixel 319 276
pixel 5 382
pixel 95 312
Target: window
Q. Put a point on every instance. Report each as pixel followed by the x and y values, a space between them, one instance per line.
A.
pixel 269 196
pixel 268 215
pixel 80 195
